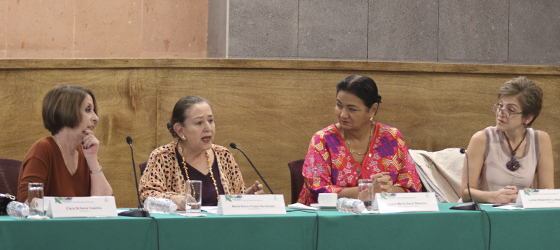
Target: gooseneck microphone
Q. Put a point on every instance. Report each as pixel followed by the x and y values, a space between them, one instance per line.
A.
pixel 140 212
pixel 472 205
pixel 129 141
pixel 233 145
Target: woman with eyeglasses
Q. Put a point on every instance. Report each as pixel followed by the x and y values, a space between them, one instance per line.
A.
pixel 505 158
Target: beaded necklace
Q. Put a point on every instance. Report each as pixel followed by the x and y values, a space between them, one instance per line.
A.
pixel 209 168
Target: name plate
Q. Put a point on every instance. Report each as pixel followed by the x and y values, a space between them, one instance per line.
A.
pixel 538 198
pixel 251 204
pixel 67 207
pixel 405 202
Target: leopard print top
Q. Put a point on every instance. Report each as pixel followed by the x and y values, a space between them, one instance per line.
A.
pixel 163 179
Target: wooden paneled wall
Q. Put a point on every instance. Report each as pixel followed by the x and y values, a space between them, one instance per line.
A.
pixel 270 108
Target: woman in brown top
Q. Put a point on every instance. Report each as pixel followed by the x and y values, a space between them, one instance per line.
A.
pixel 66 162
pixel 193 157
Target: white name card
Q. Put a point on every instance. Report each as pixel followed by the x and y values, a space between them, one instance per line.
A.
pixel 94 206
pixel 538 198
pixel 405 202
pixel 251 204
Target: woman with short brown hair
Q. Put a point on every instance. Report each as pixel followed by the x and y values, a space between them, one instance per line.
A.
pixel 66 162
pixel 505 158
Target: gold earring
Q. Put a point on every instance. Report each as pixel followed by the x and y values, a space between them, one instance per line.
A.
pixel 371 119
pixel 184 138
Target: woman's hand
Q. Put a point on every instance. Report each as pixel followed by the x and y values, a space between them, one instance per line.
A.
pixel 382 182
pixel 180 201
pixel 256 188
pixel 90 144
pixel 506 195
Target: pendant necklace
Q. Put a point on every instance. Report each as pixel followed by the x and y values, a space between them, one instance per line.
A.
pixel 513 164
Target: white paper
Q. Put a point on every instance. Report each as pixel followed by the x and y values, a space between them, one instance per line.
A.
pixel 301 207
pixel 509 207
pixel 210 209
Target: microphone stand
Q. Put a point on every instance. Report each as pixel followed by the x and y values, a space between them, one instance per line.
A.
pixel 471 205
pixel 140 212
pixel 233 145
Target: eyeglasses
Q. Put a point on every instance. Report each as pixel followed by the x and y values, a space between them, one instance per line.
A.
pixel 507 113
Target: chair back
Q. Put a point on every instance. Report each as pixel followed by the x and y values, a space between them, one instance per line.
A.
pixel 142 168
pixel 9 175
pixel 296 177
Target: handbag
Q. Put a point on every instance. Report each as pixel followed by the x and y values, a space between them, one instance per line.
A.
pixel 4 200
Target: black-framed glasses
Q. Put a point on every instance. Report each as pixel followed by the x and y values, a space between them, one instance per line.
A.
pixel 506 113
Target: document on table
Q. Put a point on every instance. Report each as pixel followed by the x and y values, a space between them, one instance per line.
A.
pixel 210 209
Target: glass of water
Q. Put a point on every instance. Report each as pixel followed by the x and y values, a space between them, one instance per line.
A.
pixel 366 195
pixel 35 197
pixel 194 196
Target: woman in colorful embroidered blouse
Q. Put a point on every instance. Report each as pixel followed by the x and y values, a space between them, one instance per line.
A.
pixel 193 157
pixel 357 147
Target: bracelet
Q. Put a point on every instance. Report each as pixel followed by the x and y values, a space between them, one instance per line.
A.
pixel 96 171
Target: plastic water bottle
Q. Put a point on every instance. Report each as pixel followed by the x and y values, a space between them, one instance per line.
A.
pixel 160 205
pixel 339 203
pixel 352 206
pixel 18 210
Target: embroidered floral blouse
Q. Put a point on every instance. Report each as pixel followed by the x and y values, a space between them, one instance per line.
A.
pixel 329 167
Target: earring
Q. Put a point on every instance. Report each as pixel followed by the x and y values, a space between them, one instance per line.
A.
pixel 184 138
pixel 371 119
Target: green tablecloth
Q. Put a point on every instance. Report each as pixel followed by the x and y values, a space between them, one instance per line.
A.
pixel 296 230
pixel 446 229
pixel 78 233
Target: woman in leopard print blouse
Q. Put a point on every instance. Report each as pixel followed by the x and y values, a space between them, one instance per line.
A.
pixel 193 156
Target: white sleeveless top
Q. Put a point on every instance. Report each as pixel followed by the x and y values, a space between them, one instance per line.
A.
pixel 495 175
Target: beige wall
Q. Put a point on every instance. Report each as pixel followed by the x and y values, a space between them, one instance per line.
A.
pixel 270 108
pixel 103 28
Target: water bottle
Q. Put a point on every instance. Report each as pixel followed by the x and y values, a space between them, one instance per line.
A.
pixel 159 205
pixel 339 203
pixel 352 206
pixel 18 210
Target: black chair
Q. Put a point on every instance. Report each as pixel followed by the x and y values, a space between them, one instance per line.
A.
pixel 296 177
pixel 142 168
pixel 9 175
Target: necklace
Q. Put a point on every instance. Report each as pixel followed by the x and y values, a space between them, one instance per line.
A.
pixel 513 164
pixel 209 168
pixel 72 169
pixel 352 151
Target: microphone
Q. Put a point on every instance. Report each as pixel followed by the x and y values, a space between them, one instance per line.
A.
pixel 140 212
pixel 233 145
pixel 472 205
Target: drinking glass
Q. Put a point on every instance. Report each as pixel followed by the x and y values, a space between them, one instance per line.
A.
pixel 194 196
pixel 366 195
pixel 35 197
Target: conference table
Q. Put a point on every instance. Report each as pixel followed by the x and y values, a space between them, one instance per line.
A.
pixel 322 229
